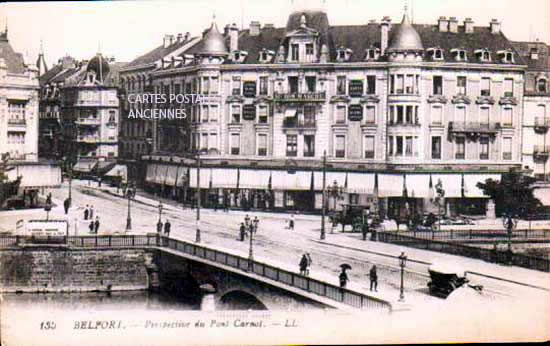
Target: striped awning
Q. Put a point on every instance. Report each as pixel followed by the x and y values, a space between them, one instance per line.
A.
pixel 171 175
pixel 418 185
pixel 155 173
pixel 390 185
pixel 85 166
pixel 36 176
pixel 118 171
pixel 361 183
pixel 225 178
pixel 205 174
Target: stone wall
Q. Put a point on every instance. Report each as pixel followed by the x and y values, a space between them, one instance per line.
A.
pixel 57 269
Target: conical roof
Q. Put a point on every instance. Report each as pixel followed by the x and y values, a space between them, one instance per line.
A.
pixel 214 42
pixel 405 37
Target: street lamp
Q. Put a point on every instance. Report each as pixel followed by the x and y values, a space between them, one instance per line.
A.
pixel 510 223
pixel 160 206
pixel 70 175
pixel 335 192
pixel 440 200
pixel 129 219
pixel 253 227
pixel 365 225
pixel 324 196
pixel 402 264
pixel 198 234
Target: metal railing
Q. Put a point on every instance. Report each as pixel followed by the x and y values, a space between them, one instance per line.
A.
pixel 473 126
pixel 541 149
pixel 488 255
pixel 489 235
pixel 310 285
pixel 542 121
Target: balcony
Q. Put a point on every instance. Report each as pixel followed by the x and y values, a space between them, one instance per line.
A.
pixel 541 152
pixel 17 122
pixel 542 124
pixel 473 127
pixel 299 124
pixel 300 97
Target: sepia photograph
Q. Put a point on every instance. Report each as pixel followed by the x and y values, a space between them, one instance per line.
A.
pixel 273 172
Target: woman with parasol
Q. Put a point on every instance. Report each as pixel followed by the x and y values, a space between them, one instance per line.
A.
pixel 343 275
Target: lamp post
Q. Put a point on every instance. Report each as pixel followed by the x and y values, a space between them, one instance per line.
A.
pixel 402 264
pixel 198 233
pixel 440 200
pixel 324 196
pixel 335 192
pixel 510 223
pixel 129 218
pixel 160 206
pixel 252 227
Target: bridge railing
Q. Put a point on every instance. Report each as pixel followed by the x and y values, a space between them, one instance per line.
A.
pixel 477 234
pixel 489 255
pixel 286 277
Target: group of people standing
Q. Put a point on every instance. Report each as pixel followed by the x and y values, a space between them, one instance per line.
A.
pixel 89 215
pixel 305 263
pixel 167 228
pixel 248 227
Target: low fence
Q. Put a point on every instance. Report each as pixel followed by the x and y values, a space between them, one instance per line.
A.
pixel 489 255
pixel 482 235
pixel 310 285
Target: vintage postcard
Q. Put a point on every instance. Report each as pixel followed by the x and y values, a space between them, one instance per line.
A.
pixel 274 172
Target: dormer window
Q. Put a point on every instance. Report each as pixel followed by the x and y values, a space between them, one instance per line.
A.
pixel 372 54
pixel 483 55
pixel 266 56
pixel 542 85
pixel 534 53
pixel 239 56
pixel 309 49
pixel 459 54
pixel 506 56
pixel 436 53
pixel 343 54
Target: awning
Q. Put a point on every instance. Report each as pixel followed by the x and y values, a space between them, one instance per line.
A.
pixel 543 194
pixel 204 179
pixel 451 184
pixel 418 185
pixel 171 175
pixel 225 178
pixel 85 166
pixel 470 182
pixel 150 175
pixel 290 112
pixel 36 175
pixel 390 185
pixel 182 176
pixel 361 183
pixel 254 179
pixel 103 167
pixel 118 171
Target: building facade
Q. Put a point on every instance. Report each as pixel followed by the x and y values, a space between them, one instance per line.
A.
pixel 396 109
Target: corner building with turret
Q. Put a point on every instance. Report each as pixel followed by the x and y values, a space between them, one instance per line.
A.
pixel 397 108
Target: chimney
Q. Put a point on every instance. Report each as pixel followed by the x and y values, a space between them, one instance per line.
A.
pixel 468 25
pixel 443 24
pixel 495 26
pixel 453 25
pixel 384 32
pixel 233 37
pixel 325 56
pixel 254 28
pixel 166 41
pixel 180 37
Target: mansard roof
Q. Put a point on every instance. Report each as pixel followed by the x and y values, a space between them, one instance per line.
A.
pixel 157 53
pixel 14 61
pixel 543 51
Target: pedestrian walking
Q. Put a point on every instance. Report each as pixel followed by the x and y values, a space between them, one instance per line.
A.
pixel 373 278
pixel 91 212
pixel 167 227
pixel 96 225
pixel 309 262
pixel 303 265
pixel 247 220
pixel 242 231
pixel 159 227
pixel 291 222
pixel 343 278
pixel 86 212
pixel 91 226
pixel 256 223
pixel 66 205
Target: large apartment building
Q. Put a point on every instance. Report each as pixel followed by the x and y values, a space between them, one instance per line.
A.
pixel 396 107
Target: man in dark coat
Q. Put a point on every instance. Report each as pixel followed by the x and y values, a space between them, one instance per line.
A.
pixel 303 265
pixel 242 232
pixel 343 278
pixel 96 225
pixel 91 226
pixel 373 278
pixel 86 212
pixel 66 205
pixel 167 227
pixel 159 227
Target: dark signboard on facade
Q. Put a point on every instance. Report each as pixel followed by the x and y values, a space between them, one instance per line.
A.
pixel 356 88
pixel 355 112
pixel 249 89
pixel 249 112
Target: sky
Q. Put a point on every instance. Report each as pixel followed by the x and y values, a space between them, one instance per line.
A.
pixel 128 29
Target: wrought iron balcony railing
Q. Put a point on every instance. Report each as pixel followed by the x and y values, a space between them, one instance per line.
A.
pixel 473 126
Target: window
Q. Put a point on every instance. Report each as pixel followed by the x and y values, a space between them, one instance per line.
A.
pixel 398 146
pixel 541 85
pixel 438 85
pixel 390 146
pixel 236 114
pixel 309 116
pixel 263 85
pixel 409 84
pixel 236 85
pixel 235 144
pixel 508 87
pixel 112 117
pixel 213 113
pixel 340 114
pixel 409 115
pixel 484 55
pixel 293 84
pixel 507 148
pixel 461 85
pixel 204 141
pixel 399 86
pixel 371 85
pixel 341 54
pixel 291 145
pixel 262 114
pixel 311 83
pixel 508 57
pixel 309 48
pixel 437 115
pixel 484 116
pixel 408 146
pixel 436 148
pixel 214 85
pixel 340 146
pixel 370 117
pixel 507 115
pixel 460 114
pixel 262 145
pixel 438 54
pixel 204 114
pixel 16 111
pixel 369 147
pixel 460 55
pixel 341 85
pixel 309 146
pixel 460 148
pixel 205 85
pixel 213 141
pixel 484 148
pixel 485 86
pixel 295 52
pixel 400 118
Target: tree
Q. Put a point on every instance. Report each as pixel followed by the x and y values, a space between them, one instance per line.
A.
pixel 513 194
